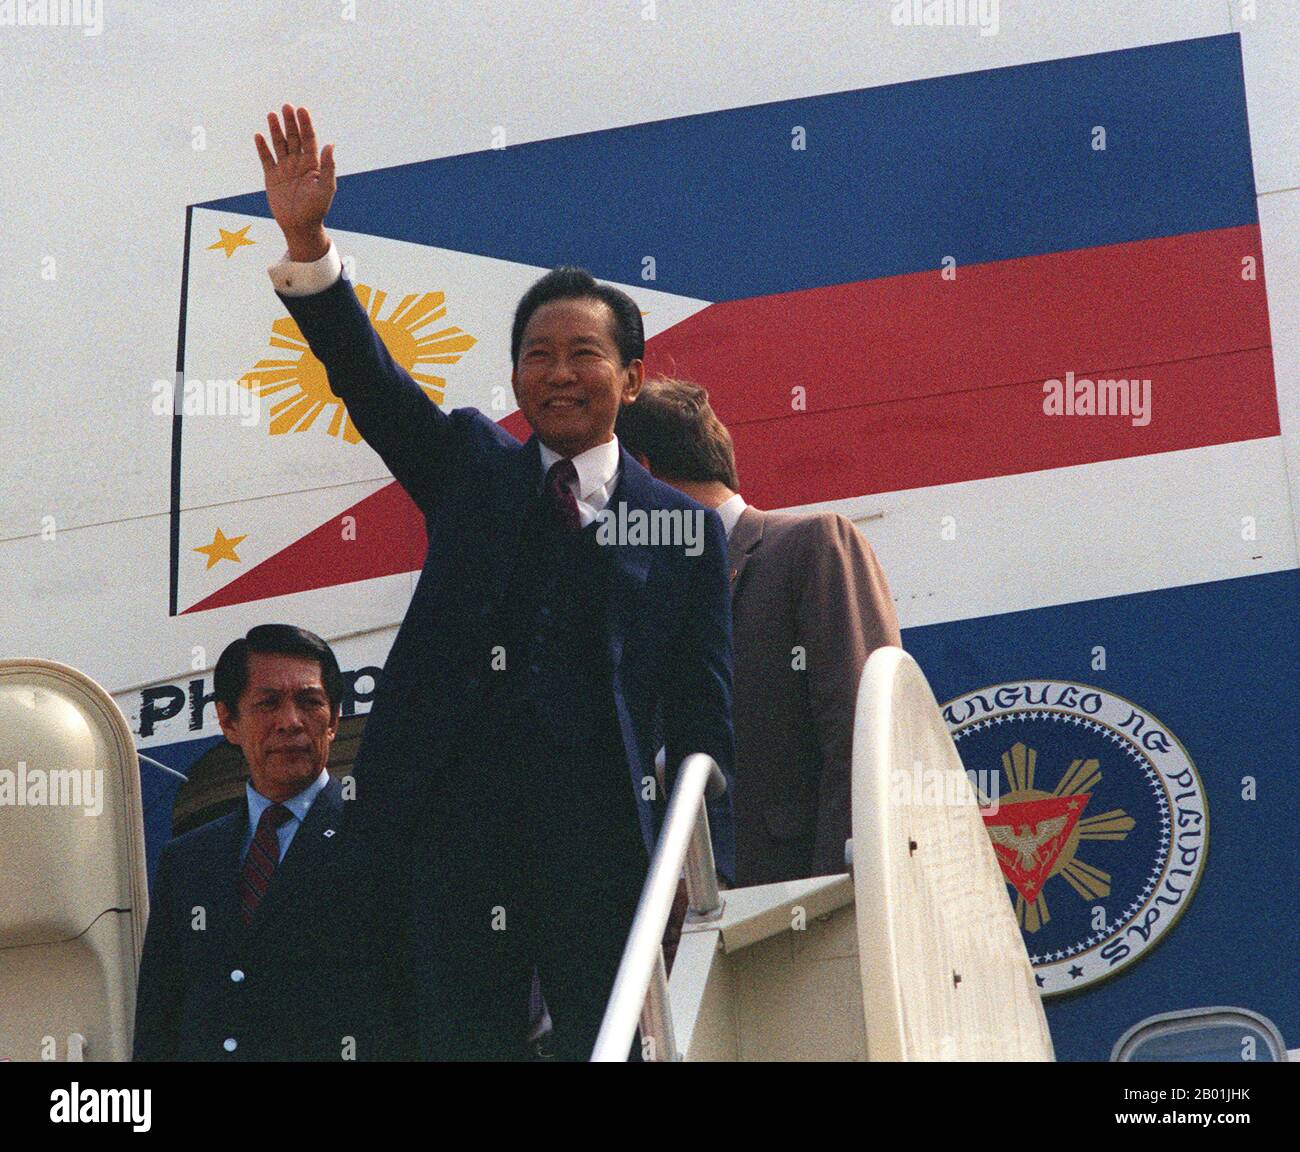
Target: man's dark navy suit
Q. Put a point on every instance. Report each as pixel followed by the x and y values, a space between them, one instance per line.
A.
pixel 453 742
pixel 291 986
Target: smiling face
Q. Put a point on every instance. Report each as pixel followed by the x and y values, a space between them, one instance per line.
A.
pixel 570 380
pixel 284 725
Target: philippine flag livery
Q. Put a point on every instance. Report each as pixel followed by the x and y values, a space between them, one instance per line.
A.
pixel 1013 323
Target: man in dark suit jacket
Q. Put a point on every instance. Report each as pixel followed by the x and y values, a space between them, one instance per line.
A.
pixel 255 948
pixel 507 768
pixel 809 605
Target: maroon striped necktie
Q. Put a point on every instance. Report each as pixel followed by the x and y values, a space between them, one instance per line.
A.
pixel 558 496
pixel 260 863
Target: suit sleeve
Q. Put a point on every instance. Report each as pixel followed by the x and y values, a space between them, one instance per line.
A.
pixel 159 991
pixel 845 613
pixel 697 701
pixel 421 445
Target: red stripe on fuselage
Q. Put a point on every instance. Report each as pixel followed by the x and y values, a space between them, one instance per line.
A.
pixel 915 380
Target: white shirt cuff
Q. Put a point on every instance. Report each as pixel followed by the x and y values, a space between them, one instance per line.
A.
pixel 293 279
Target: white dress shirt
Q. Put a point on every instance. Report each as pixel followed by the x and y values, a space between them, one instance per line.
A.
pixel 730 510
pixel 598 473
pixel 293 279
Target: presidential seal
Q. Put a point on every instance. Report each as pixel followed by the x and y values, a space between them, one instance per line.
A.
pixel 1097 816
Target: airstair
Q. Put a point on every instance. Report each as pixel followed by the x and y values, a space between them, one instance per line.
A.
pixel 73 896
pixel 913 954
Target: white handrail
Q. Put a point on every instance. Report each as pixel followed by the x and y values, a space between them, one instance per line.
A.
pixel 159 765
pixel 683 841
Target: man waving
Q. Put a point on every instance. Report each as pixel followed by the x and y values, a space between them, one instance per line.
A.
pixel 506 778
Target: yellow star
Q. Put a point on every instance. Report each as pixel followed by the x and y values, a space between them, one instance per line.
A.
pixel 221 548
pixel 231 240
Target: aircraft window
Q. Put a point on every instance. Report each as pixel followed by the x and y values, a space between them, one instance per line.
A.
pixel 1202 1034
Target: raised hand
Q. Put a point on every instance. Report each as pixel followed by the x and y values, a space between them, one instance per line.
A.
pixel 300 182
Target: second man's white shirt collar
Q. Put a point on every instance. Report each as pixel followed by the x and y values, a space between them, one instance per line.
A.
pixel 730 510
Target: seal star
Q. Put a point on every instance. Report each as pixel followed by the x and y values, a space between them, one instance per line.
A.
pixel 221 548
pixel 231 240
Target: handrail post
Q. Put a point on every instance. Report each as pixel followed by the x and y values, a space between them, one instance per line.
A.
pixel 640 991
pixel 702 897
pixel 657 1018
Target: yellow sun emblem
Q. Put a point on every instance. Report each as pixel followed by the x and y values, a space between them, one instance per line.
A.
pixel 304 379
pixel 1036 834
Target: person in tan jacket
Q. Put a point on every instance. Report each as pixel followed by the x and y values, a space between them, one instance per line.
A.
pixel 810 603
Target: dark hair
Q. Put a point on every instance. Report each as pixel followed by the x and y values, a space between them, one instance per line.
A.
pixel 672 425
pixel 231 677
pixel 578 284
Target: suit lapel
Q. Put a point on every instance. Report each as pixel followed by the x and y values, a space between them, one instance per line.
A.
pixel 311 845
pixel 744 539
pixel 631 562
